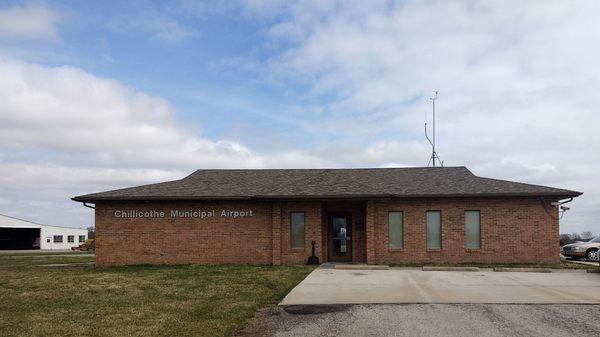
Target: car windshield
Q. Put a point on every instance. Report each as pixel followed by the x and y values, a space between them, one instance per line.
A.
pixel 596 239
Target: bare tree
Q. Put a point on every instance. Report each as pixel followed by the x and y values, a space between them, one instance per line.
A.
pixel 575 237
pixel 587 236
pixel 565 239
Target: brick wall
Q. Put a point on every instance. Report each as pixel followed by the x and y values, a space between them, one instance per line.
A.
pixel 512 231
pixel 313 228
pixel 183 240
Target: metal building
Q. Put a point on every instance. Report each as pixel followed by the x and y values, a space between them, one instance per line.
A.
pixel 21 234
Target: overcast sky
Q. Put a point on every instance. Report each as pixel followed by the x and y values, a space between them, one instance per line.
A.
pixel 103 95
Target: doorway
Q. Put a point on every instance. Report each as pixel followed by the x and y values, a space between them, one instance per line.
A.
pixel 339 235
pixel 19 238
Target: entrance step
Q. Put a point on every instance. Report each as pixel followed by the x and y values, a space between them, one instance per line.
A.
pixel 353 266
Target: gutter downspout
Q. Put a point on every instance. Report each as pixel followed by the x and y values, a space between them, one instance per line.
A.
pixel 560 203
pixel 94 207
pixel 557 205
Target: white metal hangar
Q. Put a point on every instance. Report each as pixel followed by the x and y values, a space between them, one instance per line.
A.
pixel 18 234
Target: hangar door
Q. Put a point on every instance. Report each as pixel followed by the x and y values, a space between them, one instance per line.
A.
pixel 19 238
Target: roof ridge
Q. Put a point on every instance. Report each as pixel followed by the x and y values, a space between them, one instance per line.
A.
pixel 327 169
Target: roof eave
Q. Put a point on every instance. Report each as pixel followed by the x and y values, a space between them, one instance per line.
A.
pixel 91 199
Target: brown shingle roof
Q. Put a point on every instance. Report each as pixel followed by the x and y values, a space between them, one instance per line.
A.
pixel 328 183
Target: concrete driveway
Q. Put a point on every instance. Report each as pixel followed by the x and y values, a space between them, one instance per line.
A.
pixel 398 285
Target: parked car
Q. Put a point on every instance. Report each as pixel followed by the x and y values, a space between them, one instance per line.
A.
pixel 577 250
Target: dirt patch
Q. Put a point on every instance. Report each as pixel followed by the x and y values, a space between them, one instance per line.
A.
pixel 268 321
pixel 314 309
pixel 261 324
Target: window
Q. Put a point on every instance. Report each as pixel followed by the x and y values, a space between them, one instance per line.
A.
pixel 81 238
pixel 297 230
pixel 58 238
pixel 434 229
pixel 48 240
pixel 396 229
pixel 70 238
pixel 472 229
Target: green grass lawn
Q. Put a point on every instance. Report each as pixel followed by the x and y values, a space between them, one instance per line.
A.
pixel 134 301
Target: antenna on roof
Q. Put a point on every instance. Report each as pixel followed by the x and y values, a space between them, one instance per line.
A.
pixel 434 157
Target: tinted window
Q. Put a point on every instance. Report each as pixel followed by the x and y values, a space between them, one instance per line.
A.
pixel 395 229
pixel 434 229
pixel 297 229
pixel 472 229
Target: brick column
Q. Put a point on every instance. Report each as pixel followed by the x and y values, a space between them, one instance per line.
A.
pixel 318 233
pixel 276 232
pixel 370 232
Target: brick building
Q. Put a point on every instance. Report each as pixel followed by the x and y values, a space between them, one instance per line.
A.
pixel 376 216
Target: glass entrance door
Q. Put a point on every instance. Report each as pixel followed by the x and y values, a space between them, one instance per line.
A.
pixel 340 225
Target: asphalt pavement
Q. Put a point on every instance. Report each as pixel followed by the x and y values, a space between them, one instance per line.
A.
pixel 444 320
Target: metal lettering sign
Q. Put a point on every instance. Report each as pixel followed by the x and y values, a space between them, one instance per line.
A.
pixel 176 213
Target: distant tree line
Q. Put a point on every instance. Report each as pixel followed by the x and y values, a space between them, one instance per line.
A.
pixel 565 239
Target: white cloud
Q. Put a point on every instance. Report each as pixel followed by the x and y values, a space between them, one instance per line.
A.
pixel 29 22
pixel 517 88
pixel 517 83
pixel 66 112
pixel 65 132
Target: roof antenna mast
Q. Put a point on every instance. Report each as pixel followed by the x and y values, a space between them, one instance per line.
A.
pixel 434 157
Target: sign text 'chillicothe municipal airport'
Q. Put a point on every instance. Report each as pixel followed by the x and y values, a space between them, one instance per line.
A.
pixel 175 213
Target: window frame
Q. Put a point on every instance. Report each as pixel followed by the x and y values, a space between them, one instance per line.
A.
pixel 402 224
pixel 296 249
pixel 81 238
pixel 427 231
pixel 465 224
pixel 56 237
pixel 70 238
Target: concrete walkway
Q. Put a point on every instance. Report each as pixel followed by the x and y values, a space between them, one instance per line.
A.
pixel 398 285
pixel 587 262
